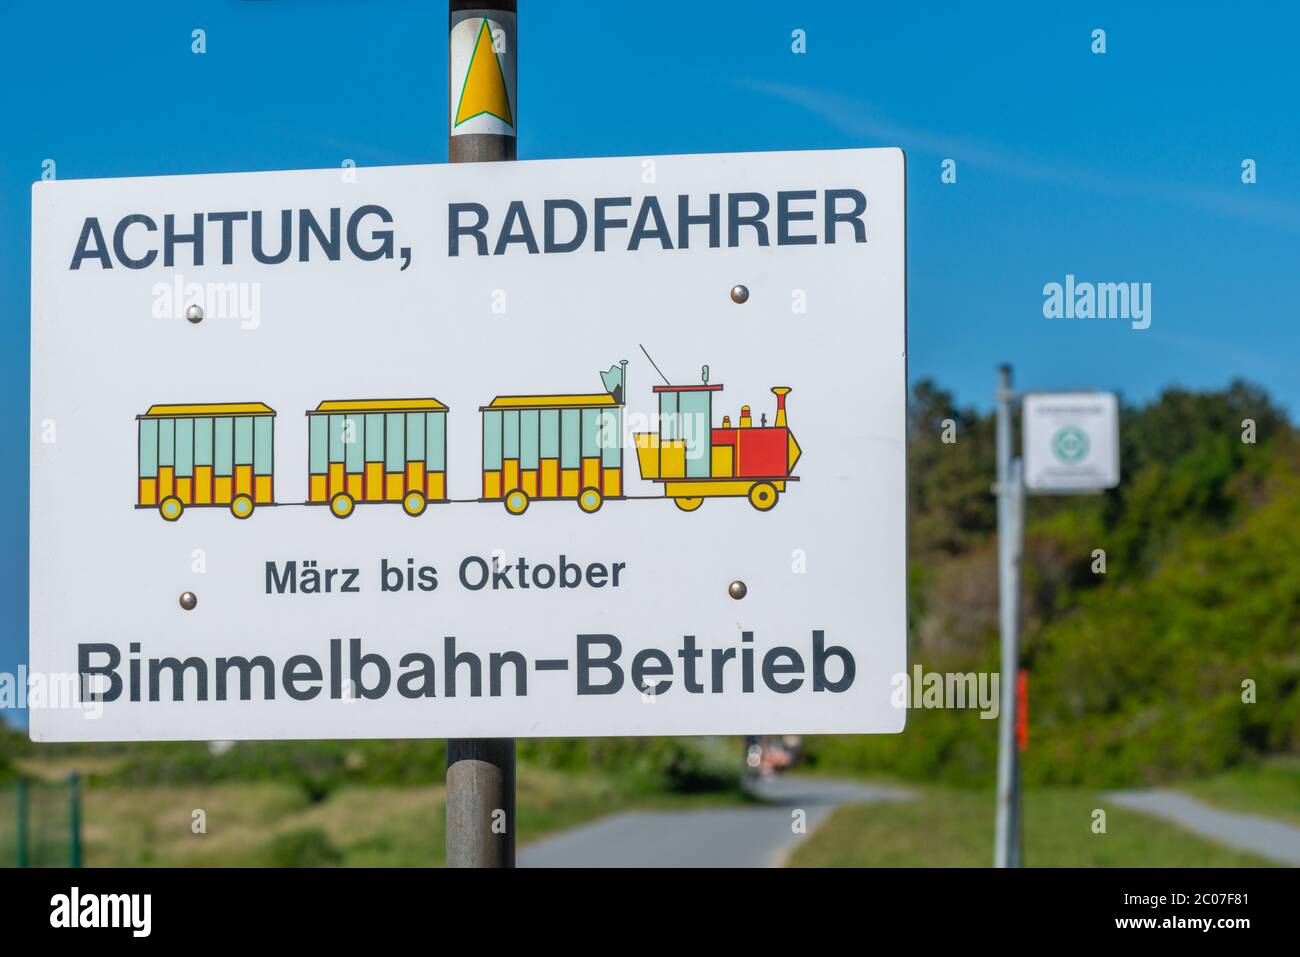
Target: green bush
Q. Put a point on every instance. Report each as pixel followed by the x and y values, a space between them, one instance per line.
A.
pixel 321 767
pixel 318 767
pixel 1136 676
pixel 672 764
pixel 950 747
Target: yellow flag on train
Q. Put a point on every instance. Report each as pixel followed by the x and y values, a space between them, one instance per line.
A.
pixel 484 90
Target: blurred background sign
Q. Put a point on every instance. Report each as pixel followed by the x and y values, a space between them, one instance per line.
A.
pixel 1071 441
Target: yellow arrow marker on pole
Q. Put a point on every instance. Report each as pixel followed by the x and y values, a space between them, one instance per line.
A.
pixel 485 84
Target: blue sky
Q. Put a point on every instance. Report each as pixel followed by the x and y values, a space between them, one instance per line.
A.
pixel 1124 166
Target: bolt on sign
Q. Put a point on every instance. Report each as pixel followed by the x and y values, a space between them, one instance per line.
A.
pixel 519 449
pixel 1071 441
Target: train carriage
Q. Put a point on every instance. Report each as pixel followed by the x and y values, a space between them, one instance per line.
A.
pixel 204 455
pixel 377 450
pixel 555 447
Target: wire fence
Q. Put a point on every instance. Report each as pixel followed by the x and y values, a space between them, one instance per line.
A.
pixel 40 823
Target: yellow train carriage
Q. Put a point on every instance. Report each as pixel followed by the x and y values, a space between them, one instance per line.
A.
pixel 377 450
pixel 204 455
pixel 553 447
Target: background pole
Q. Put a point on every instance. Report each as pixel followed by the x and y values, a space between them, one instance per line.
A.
pixel 21 797
pixel 74 819
pixel 1011 510
pixel 481 771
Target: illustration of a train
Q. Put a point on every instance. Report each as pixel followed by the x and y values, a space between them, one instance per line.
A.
pixel 557 447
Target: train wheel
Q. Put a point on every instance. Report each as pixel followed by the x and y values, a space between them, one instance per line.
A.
pixel 342 504
pixel 170 508
pixel 516 501
pixel 241 506
pixel 688 504
pixel 413 504
pixel 590 500
pixel 762 495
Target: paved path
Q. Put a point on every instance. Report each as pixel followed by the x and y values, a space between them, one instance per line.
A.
pixel 1264 836
pixel 756 836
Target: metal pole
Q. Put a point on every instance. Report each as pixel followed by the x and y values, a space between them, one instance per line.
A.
pixel 481 771
pixel 21 797
pixel 1015 855
pixel 1011 498
pixel 470 147
pixel 74 819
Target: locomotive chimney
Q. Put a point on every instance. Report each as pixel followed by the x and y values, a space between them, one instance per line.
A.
pixel 780 391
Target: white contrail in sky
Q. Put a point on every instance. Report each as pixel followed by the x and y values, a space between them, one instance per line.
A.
pixel 855 118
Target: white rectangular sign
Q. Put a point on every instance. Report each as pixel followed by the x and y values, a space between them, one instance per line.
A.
pixel 1071 441
pixel 475 450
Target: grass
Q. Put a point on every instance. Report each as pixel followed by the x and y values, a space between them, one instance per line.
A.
pixel 953 828
pixel 1271 788
pixel 55 770
pixel 140 827
pixel 273 823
